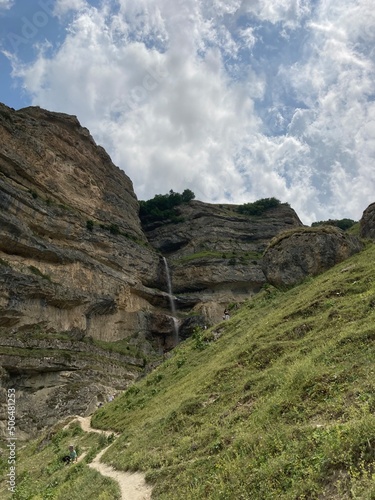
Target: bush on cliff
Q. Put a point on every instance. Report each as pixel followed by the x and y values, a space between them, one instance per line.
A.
pixel 162 207
pixel 343 224
pixel 258 207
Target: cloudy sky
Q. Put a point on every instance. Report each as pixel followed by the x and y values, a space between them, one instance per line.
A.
pixel 234 99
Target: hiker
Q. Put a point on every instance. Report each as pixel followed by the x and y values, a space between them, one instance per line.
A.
pixel 226 314
pixel 72 454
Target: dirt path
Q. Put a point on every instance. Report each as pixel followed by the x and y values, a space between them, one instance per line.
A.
pixel 86 426
pixel 132 485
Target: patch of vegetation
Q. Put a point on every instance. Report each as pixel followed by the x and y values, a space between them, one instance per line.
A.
pixel 4 263
pixel 114 229
pixel 162 207
pixel 259 206
pixel 244 258
pixel 89 225
pixel 206 254
pixel 41 473
pixel 343 224
pixel 39 273
pixel 124 347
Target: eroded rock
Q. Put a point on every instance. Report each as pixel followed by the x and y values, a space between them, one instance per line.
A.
pixel 293 256
pixel 367 223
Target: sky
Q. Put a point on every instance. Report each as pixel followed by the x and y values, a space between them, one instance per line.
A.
pixel 236 100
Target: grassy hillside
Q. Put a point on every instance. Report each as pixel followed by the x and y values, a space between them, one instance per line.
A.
pixel 277 402
pixel 41 475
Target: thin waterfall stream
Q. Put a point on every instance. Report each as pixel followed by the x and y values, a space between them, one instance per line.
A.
pixel 171 300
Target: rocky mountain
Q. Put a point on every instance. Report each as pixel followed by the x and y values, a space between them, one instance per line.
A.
pixel 215 255
pixel 75 265
pixel 85 307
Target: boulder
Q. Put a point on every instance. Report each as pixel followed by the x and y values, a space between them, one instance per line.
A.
pixel 367 223
pixel 292 256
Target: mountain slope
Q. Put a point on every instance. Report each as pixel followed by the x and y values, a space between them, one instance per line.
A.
pixel 280 405
pixel 277 402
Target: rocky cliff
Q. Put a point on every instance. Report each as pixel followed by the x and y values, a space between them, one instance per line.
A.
pixel 75 266
pixel 215 254
pixel 84 296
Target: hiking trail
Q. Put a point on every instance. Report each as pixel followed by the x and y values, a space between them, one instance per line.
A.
pixel 132 484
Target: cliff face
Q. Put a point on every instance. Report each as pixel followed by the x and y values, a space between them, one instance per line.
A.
pixel 75 266
pixel 72 244
pixel 215 253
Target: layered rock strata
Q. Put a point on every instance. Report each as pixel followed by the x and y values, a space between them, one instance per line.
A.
pixel 215 253
pixel 74 261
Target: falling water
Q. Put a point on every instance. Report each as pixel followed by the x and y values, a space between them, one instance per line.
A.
pixel 171 300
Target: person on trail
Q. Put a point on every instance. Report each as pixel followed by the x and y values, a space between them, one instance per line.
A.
pixel 226 314
pixel 72 454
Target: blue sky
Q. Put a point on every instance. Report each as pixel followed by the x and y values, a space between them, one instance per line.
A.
pixel 236 100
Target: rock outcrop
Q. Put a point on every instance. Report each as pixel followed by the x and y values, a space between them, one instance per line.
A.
pixel 367 223
pixel 74 262
pixel 294 255
pixel 215 253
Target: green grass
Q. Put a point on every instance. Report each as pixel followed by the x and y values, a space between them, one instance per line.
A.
pixel 123 347
pixel 280 405
pixel 42 475
pixel 243 257
pixel 38 273
pixel 277 402
pixel 205 254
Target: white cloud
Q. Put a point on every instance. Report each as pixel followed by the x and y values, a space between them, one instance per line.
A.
pixel 62 7
pixel 178 93
pixel 337 85
pixel 288 12
pixel 6 4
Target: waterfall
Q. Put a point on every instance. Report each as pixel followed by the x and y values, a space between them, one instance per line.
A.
pixel 171 300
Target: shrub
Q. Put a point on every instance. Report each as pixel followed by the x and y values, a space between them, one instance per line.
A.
pixel 258 207
pixel 162 206
pixel 90 225
pixel 114 229
pixel 343 224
